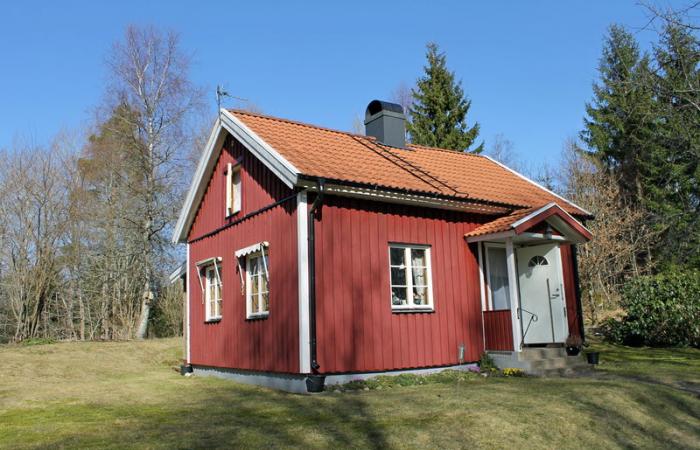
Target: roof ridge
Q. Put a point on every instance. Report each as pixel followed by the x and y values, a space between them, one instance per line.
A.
pixel 303 124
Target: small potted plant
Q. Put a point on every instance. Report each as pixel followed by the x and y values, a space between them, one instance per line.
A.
pixel 573 345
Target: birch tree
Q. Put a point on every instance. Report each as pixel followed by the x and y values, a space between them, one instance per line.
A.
pixel 149 78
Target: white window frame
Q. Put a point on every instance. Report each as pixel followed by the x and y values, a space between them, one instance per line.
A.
pixel 233 189
pixel 260 314
pixel 208 301
pixel 489 294
pixel 409 279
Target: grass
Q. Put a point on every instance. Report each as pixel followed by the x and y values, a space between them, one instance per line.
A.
pixel 678 367
pixel 116 395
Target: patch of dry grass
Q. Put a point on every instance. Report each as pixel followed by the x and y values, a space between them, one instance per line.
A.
pixel 116 395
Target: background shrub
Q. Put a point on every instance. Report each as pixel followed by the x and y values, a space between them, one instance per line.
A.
pixel 661 310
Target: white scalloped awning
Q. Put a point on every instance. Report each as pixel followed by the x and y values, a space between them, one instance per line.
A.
pixel 252 249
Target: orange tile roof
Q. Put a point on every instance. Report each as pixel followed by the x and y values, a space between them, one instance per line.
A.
pixel 342 156
pixel 502 223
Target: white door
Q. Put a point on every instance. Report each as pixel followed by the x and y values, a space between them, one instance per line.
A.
pixel 543 307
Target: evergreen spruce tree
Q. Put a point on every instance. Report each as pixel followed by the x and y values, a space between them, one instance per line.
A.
pixel 620 126
pixel 439 111
pixel 674 193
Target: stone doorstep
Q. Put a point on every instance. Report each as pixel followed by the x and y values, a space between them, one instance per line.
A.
pixel 541 361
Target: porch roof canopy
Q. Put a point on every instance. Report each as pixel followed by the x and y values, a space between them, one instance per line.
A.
pixel 526 224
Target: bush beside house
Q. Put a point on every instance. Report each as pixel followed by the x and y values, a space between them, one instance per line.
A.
pixel 661 310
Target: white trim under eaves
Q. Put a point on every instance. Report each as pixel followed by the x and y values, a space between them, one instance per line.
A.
pixel 261 149
pixel 491 237
pixel 396 197
pixel 537 184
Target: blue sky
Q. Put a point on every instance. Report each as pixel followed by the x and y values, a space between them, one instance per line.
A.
pixel 527 66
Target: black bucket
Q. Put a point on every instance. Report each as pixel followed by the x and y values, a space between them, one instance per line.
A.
pixel 185 369
pixel 592 357
pixel 314 383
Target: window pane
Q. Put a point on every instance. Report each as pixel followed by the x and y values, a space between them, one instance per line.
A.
pixel 398 276
pixel 397 256
pixel 254 285
pixel 420 296
pixel 420 276
pixel 398 296
pixel 263 282
pixel 498 278
pixel 254 266
pixel 418 257
pixel 265 302
pixel 255 304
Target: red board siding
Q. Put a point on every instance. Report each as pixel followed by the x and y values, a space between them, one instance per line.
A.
pixel 498 330
pixel 260 188
pixel 567 261
pixel 356 328
pixel 270 344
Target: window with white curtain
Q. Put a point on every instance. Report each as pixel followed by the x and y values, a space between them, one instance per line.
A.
pixel 497 267
pixel 257 291
pixel 411 281
pixel 212 293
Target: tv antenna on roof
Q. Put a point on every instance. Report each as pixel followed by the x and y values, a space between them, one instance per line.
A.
pixel 220 93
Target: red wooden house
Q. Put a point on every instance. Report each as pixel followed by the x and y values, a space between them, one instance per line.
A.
pixel 317 253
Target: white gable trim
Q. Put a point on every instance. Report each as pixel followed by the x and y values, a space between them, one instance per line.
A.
pixel 227 122
pixel 261 149
pixel 522 220
pixel 538 185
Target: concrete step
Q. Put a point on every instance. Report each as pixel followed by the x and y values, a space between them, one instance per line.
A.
pixel 541 353
pixel 538 364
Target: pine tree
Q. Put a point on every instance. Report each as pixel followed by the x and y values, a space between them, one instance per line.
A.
pixel 674 194
pixel 439 111
pixel 621 122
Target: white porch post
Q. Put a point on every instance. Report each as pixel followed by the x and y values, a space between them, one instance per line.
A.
pixel 513 291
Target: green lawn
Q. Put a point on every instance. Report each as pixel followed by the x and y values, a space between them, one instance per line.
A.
pixel 129 395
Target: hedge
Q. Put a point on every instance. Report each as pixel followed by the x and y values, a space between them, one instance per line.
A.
pixel 661 310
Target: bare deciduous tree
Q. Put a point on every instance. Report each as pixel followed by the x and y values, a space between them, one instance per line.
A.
pixel 149 77
pixel 621 232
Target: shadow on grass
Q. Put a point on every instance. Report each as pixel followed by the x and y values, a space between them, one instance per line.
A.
pixel 237 416
pixel 673 415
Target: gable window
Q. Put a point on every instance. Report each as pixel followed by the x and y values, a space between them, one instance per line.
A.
pixel 233 189
pixel 411 280
pixel 255 259
pixel 210 282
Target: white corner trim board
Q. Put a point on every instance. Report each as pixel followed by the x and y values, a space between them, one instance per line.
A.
pixel 303 281
pixel 226 124
pixel 189 293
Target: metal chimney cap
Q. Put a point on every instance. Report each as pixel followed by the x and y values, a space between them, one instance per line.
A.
pixel 377 106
